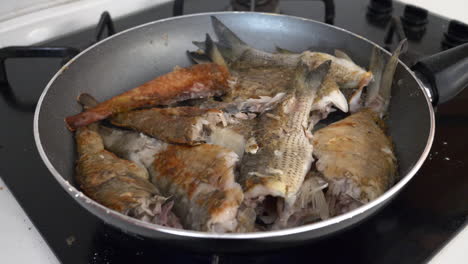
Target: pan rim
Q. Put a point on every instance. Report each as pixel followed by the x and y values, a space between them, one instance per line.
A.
pixel 74 192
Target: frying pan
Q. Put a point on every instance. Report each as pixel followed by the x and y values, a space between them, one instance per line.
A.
pixel 137 55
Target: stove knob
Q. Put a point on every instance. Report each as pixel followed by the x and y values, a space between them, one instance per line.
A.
pixel 379 10
pixel 456 34
pixel 414 21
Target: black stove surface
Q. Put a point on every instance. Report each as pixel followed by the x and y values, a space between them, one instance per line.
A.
pixel 427 213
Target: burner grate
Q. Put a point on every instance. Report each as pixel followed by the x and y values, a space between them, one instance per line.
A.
pixel 66 53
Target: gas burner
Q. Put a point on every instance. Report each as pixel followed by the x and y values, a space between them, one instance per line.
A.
pixel 270 6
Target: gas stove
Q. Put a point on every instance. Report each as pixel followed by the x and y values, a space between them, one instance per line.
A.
pixel 412 229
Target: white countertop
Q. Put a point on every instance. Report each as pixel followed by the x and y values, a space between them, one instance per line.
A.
pixel 20 242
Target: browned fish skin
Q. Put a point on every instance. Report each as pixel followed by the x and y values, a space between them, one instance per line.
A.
pixel 201 180
pixel 113 182
pixel 180 125
pixel 118 184
pixel 356 157
pixel 354 154
pixel 181 84
pixel 345 73
pixel 253 82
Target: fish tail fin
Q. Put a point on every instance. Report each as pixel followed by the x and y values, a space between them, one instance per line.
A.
pixel 376 66
pixel 342 55
pixel 315 77
pixel 214 52
pixel 380 102
pixel 201 55
pixel 330 94
pixel 198 57
pixel 312 197
pixel 209 51
pixel 355 101
pixel 233 46
pixel 199 44
pixel 87 101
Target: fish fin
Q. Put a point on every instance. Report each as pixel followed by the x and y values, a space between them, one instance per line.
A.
pixel 382 100
pixel 87 101
pixel 234 47
pixel 311 200
pixel 200 44
pixel 342 55
pixel 213 52
pixel 355 101
pixel 337 98
pixel 330 93
pixel 376 66
pixel 315 77
pixel 198 57
pixel 225 35
pixel 283 51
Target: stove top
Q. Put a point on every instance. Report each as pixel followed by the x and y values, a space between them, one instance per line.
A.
pixel 427 213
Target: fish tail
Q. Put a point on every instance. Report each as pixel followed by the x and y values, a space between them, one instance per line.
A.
pixel 208 52
pixel 314 78
pixel 233 46
pixel 213 52
pixel 380 103
pixel 200 44
pixel 342 55
pixel 376 66
pixel 198 57
pixel 330 94
pixel 87 101
pixel 312 196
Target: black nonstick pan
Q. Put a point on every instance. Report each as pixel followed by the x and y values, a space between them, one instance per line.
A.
pixel 135 56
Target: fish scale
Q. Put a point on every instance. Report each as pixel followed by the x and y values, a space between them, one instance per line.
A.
pixel 285 152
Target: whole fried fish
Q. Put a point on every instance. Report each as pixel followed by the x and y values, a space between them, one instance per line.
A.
pixel 282 155
pixel 355 155
pixel 183 83
pixel 118 184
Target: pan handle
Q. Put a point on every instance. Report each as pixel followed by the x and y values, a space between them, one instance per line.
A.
pixel 445 73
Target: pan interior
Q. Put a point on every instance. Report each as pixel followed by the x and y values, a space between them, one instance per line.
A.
pixel 136 56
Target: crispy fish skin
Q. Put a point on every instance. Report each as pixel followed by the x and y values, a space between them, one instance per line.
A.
pixel 201 181
pixel 356 156
pixel 183 83
pixel 254 82
pixel 111 181
pixel 284 154
pixel 119 184
pixel 179 125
